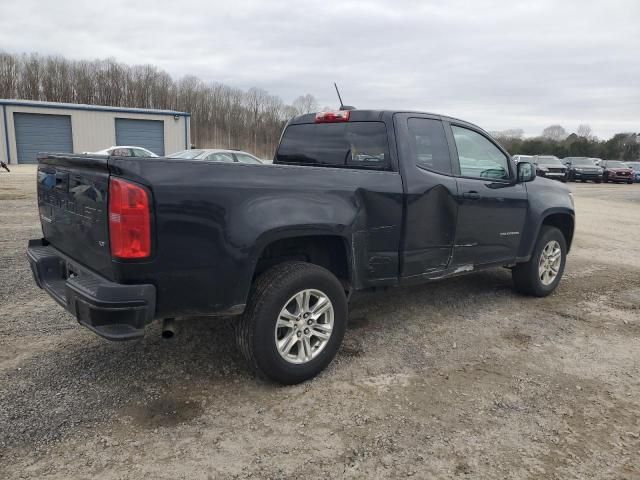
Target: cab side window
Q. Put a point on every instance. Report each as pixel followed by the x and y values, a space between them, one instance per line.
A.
pixel 478 157
pixel 430 145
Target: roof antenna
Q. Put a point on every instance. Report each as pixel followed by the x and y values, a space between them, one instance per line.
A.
pixel 342 106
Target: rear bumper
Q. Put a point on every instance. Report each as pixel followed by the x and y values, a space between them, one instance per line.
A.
pixel 111 310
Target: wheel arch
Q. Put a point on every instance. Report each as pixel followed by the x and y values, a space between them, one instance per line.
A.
pixel 323 247
pixel 564 222
pixel 559 217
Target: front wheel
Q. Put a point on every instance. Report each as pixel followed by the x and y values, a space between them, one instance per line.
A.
pixel 294 323
pixel 542 273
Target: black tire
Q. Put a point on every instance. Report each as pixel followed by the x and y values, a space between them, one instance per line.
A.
pixel 255 330
pixel 525 276
pixel 598 181
pixel 630 182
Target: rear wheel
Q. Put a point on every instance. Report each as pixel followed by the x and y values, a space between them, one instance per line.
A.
pixel 294 323
pixel 542 273
pixel 597 180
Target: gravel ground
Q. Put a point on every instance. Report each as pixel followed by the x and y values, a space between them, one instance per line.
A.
pixel 461 378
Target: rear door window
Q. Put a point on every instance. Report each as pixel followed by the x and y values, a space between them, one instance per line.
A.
pixel 430 145
pixel 121 152
pixel 348 144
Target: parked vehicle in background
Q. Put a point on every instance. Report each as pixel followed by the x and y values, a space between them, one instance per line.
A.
pixel 583 169
pixel 617 171
pixel 356 200
pixel 635 166
pixel 523 158
pixel 550 166
pixel 597 161
pixel 126 151
pixel 217 155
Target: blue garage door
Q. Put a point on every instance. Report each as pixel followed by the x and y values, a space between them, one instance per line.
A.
pixel 141 133
pixel 41 133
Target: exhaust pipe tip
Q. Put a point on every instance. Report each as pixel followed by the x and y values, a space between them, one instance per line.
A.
pixel 168 328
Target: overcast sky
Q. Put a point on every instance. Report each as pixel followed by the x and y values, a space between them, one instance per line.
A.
pixel 500 64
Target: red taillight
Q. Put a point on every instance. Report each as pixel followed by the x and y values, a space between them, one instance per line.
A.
pixel 331 117
pixel 129 220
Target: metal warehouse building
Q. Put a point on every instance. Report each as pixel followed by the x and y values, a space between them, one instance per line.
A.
pixel 28 127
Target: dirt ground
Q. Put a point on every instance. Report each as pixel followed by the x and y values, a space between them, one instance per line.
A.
pixel 457 379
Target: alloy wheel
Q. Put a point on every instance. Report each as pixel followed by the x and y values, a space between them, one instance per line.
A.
pixel 549 263
pixel 304 326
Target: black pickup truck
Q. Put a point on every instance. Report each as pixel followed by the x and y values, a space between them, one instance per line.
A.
pixel 355 199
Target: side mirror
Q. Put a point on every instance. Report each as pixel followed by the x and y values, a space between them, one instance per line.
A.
pixel 526 172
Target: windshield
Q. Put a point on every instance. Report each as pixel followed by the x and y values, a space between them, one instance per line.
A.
pixel 187 154
pixel 548 161
pixel 583 161
pixel 615 164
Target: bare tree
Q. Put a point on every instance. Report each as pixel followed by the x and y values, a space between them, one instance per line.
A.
pixel 221 116
pixel 554 132
pixel 585 131
pixel 510 134
pixel 305 104
pixel 8 75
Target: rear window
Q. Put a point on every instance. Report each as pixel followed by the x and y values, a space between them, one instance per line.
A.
pixel 186 154
pixel 348 144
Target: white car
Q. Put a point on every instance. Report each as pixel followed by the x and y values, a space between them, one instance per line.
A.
pixel 126 151
pixel 217 155
pixel 520 158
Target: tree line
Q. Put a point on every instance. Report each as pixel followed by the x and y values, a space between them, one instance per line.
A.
pixel 228 117
pixel 221 116
pixel 555 140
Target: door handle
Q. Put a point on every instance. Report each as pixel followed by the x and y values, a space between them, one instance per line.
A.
pixel 472 195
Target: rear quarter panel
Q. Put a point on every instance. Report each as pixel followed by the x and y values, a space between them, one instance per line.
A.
pixel 213 220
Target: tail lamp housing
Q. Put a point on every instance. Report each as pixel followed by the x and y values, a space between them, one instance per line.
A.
pixel 129 219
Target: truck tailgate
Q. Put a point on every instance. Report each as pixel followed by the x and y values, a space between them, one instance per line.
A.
pixel 73 208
